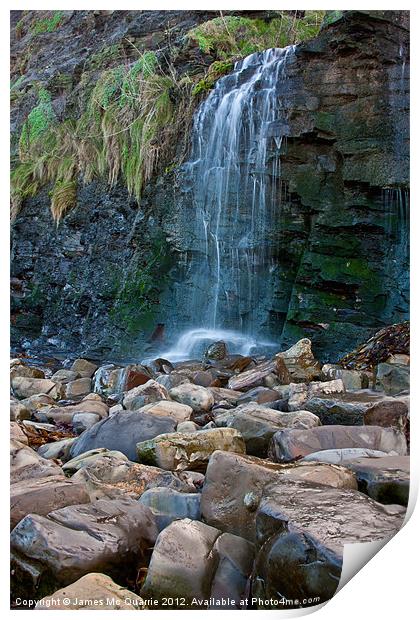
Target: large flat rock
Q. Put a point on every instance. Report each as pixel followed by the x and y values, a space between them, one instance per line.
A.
pixel 43 495
pixel 290 444
pixel 234 484
pixel 110 475
pixel 301 532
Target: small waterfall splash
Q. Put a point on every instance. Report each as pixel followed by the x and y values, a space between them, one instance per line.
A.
pixel 233 178
pixel 191 344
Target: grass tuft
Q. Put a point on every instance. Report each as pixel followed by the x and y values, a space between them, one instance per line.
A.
pixel 48 24
pixel 63 198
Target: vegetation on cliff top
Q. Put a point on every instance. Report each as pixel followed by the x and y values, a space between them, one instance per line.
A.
pixel 132 115
pixel 235 37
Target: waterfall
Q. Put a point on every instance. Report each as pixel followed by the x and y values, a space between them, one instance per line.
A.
pixel 233 178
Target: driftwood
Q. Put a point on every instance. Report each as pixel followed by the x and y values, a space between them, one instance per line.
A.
pixel 388 341
pixel 38 436
pixel 255 376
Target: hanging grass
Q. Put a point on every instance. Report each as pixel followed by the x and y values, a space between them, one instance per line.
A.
pixel 127 126
pixel 63 198
pixel 24 184
pixel 134 116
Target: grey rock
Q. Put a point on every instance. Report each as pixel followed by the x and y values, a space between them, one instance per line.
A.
pixel 187 427
pixel 122 432
pixel 56 449
pixel 393 378
pixel 83 421
pixel 167 505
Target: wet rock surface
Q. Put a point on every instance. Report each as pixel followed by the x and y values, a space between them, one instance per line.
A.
pixel 301 531
pixel 234 485
pixel 386 479
pixel 56 550
pixel 291 444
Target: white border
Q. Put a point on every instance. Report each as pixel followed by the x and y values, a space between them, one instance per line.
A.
pixel 386 586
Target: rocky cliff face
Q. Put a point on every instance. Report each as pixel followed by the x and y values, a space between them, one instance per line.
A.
pixel 345 260
pixel 101 283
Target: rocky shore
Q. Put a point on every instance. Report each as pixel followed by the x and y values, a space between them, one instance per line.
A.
pixel 224 482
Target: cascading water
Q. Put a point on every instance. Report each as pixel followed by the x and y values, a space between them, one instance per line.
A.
pixel 233 177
